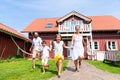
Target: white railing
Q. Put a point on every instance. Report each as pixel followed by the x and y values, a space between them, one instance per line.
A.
pixel 83 28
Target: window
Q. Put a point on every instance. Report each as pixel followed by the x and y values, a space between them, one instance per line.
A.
pixel 66 23
pixel 80 22
pixel 111 45
pixel 73 23
pixel 49 25
pixel 95 45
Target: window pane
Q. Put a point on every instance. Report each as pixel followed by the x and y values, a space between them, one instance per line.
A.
pixel 96 45
pixel 49 25
pixel 114 47
pixel 73 22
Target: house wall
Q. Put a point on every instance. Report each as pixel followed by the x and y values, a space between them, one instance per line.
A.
pixel 102 37
pixel 73 18
pixel 8 48
pixel 48 37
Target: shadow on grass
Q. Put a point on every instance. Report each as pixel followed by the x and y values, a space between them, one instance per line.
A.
pixel 38 66
pixel 52 71
pixel 46 69
pixel 111 63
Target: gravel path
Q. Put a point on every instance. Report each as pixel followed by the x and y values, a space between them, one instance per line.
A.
pixel 86 72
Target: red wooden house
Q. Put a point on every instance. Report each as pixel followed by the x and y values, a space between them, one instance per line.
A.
pixel 7 45
pixel 99 32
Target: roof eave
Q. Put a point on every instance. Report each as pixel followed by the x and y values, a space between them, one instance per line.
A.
pixel 74 13
pixel 107 30
pixel 10 33
pixel 38 31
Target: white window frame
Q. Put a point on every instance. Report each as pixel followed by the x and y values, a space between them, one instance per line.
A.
pixel 73 22
pixel 93 45
pixel 111 42
pixel 49 25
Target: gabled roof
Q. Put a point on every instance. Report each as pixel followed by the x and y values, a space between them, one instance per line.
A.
pixel 10 31
pixel 39 25
pixel 104 23
pixel 98 23
pixel 72 13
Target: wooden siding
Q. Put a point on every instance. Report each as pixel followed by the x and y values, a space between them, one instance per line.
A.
pixel 102 37
pixel 8 48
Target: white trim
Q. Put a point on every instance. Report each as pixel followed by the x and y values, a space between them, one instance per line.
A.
pixel 74 13
pixel 69 51
pixel 111 47
pixel 85 34
pixel 97 45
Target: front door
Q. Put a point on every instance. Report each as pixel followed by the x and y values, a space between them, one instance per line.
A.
pixel 69 51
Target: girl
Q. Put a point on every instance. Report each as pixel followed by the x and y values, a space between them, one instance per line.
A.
pixel 58 45
pixel 77 43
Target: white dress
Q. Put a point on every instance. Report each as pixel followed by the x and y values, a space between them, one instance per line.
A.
pixel 78 48
pixel 58 48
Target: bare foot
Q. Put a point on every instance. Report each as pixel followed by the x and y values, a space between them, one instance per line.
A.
pixel 59 75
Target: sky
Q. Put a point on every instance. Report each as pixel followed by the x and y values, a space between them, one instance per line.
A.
pixel 20 13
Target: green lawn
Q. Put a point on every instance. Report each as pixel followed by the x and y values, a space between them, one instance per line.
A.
pixel 20 69
pixel 107 66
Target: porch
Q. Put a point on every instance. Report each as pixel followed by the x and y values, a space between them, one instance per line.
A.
pixel 67 31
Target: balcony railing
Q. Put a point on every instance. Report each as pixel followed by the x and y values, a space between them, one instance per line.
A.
pixel 71 28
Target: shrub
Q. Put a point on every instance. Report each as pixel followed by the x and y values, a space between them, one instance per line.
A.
pixel 118 55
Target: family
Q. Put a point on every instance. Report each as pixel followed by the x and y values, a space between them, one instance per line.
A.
pixel 77 45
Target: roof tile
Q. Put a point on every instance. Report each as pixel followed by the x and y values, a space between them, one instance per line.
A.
pixel 98 23
pixel 13 32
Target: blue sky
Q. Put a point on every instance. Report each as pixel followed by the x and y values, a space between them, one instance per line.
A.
pixel 20 13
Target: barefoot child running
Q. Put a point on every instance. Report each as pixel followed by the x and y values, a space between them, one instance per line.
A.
pixel 45 56
pixel 57 46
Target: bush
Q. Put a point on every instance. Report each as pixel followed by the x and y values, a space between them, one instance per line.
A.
pixel 118 55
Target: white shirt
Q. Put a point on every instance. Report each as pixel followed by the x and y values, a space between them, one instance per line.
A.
pixel 58 47
pixel 45 51
pixel 37 43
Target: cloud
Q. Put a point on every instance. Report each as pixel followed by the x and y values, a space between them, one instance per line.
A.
pixel 19 13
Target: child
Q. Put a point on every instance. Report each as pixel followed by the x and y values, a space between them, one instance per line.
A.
pixel 58 45
pixel 45 56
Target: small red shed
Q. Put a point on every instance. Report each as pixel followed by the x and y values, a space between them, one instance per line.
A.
pixel 7 46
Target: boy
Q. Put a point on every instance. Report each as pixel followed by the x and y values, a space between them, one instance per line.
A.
pixel 45 55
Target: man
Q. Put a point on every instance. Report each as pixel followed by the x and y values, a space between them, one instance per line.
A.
pixel 36 48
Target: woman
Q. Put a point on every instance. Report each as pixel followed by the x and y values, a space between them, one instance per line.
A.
pixel 77 43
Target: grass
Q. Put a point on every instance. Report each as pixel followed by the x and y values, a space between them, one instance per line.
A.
pixel 106 66
pixel 20 69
